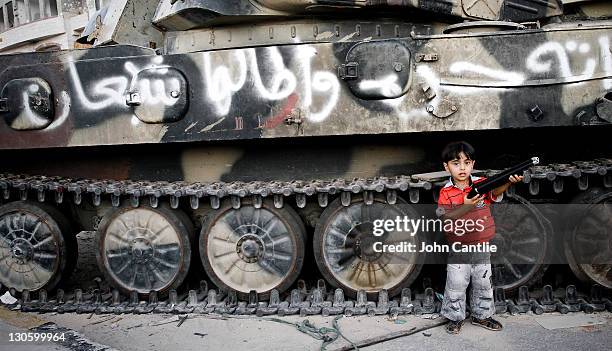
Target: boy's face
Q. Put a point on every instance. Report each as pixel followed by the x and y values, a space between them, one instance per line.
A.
pixel 459 168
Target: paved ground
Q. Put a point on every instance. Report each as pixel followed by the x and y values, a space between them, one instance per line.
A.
pixel 13 322
pixel 161 332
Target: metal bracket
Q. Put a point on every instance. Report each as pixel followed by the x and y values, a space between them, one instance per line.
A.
pixel 531 25
pixel 444 109
pixel 295 117
pixel 348 71
pixel 428 91
pixel 536 113
pixel 426 57
pixel 132 98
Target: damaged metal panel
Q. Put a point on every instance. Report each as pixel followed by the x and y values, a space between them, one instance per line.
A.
pixel 175 15
pixel 188 14
pixel 511 10
pixel 485 9
pixel 125 22
pixel 529 10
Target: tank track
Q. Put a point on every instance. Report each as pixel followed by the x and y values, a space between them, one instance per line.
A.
pixel 301 300
pixel 134 191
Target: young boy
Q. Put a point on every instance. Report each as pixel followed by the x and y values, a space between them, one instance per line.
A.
pixel 453 203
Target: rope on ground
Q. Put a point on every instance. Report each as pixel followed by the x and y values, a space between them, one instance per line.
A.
pixel 390 336
pixel 327 335
pixel 337 326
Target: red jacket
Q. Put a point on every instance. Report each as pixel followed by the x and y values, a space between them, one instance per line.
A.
pixel 451 197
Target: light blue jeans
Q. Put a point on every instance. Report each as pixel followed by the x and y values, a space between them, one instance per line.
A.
pixel 477 268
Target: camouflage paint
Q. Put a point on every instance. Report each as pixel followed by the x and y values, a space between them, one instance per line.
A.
pixel 473 79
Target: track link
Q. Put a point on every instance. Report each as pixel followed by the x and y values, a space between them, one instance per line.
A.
pixel 302 301
pixel 43 187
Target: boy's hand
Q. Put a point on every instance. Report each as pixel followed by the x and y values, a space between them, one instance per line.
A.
pixel 515 178
pixel 474 200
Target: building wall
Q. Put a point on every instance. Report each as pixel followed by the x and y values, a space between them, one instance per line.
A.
pixel 34 25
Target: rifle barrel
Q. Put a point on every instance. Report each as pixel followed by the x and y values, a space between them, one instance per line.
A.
pixel 501 178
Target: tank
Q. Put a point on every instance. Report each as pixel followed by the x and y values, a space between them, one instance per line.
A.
pixel 252 143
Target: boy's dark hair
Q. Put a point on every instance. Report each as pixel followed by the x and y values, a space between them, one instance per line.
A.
pixel 452 151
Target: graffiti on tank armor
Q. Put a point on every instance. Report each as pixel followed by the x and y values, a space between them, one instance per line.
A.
pixel 252 92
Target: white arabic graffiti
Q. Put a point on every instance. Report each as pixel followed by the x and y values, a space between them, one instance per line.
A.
pixel 540 59
pixel 606 61
pixel 387 86
pixel 324 84
pixel 226 73
pixel 568 60
pixel 510 77
pixel 265 73
pixel 111 90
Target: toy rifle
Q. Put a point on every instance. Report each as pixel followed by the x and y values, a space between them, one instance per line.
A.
pixel 501 178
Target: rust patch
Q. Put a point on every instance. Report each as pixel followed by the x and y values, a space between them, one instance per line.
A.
pixel 285 111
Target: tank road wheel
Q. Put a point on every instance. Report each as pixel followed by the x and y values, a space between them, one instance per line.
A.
pixel 343 243
pixel 34 252
pixel 591 237
pixel 523 235
pixel 144 248
pixel 248 249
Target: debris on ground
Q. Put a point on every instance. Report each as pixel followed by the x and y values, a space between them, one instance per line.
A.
pixel 390 336
pixel 181 320
pixel 551 322
pixel 430 315
pixel 102 320
pixel 395 319
pixel 8 299
pixel 134 326
pixel 166 321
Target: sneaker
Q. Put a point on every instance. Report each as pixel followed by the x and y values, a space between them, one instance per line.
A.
pixel 454 327
pixel 488 323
